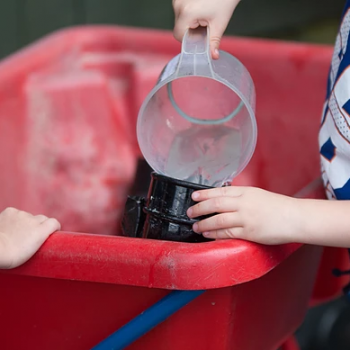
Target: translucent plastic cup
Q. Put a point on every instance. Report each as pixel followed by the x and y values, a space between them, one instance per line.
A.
pixel 198 122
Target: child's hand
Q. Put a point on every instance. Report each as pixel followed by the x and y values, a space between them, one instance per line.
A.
pixel 247 213
pixel 21 235
pixel 195 13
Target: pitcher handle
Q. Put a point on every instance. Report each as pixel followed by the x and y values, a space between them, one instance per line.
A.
pixel 195 58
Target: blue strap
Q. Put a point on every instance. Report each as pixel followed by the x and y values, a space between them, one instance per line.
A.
pixel 147 320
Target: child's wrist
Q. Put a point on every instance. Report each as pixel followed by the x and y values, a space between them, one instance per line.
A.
pixel 324 222
pixel 299 213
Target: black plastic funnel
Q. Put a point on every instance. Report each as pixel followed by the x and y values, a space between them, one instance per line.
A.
pixel 166 207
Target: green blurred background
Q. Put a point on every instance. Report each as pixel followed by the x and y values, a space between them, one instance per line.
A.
pixel 23 21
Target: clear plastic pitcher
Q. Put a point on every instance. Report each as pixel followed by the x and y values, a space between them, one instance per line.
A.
pixel 198 122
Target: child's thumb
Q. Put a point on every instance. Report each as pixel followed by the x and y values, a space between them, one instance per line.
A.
pixel 215 39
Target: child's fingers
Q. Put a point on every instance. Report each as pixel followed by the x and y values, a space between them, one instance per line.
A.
pixel 40 218
pixel 21 215
pixel 180 28
pixel 184 21
pixel 218 222
pixel 227 191
pixel 213 205
pixel 49 226
pixel 231 233
pixel 214 50
pixel 215 38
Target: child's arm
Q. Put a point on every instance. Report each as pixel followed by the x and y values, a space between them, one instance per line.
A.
pixel 213 13
pixel 256 215
pixel 21 235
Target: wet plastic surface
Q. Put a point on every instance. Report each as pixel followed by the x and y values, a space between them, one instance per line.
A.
pixel 166 210
pixel 162 214
pixel 134 217
pixel 79 288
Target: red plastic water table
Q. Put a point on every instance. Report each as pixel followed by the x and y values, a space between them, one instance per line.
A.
pixel 68 108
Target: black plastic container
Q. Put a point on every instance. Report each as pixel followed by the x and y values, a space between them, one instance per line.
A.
pixel 167 203
pixel 163 215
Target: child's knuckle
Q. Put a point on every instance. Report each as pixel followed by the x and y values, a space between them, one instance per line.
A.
pixel 223 191
pixel 10 211
pixel 215 39
pixel 250 230
pixel 185 10
pixel 228 233
pixel 217 204
pixel 197 209
pixel 221 220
